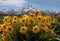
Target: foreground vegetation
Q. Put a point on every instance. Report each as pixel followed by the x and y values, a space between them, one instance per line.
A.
pixel 31 27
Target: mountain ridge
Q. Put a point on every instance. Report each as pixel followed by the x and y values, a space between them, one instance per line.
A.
pixel 25 10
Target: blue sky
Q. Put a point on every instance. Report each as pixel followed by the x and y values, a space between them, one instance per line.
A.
pixel 39 4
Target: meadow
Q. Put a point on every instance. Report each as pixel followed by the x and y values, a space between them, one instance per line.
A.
pixel 30 27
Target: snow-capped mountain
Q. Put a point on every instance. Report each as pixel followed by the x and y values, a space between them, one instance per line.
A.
pixel 50 12
pixel 29 8
pixel 32 9
pixel 7 11
pixel 25 10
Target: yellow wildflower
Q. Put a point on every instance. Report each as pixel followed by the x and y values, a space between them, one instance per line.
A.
pixel 3 36
pixel 7 18
pixel 39 18
pixel 36 29
pixel 38 12
pixel 23 30
pixel 46 29
pixel 9 29
pixel 14 18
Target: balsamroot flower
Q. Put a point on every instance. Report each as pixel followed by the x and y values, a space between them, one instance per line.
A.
pixel 36 29
pixel 23 30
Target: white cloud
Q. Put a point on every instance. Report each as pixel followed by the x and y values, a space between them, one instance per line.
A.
pixel 17 3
